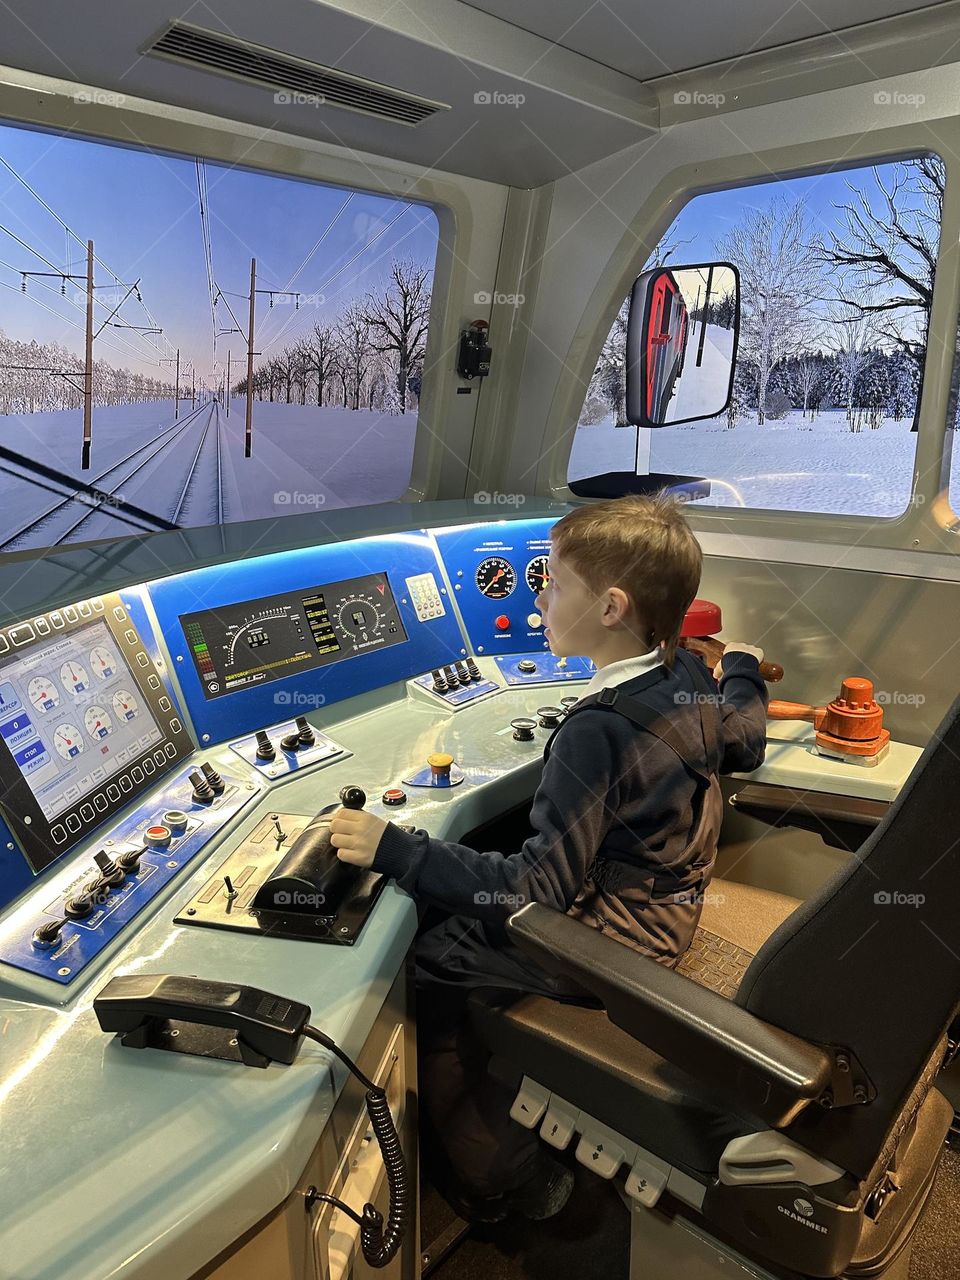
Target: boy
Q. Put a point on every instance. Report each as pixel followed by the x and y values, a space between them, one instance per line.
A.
pixel 626 821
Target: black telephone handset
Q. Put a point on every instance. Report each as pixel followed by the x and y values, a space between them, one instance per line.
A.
pixel 311 877
pixel 260 1028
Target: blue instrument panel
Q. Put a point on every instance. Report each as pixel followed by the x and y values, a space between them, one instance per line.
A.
pixel 497 569
pixel 383 615
pixel 81 940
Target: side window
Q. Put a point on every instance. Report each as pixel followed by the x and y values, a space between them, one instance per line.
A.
pixel 836 282
pixel 145 416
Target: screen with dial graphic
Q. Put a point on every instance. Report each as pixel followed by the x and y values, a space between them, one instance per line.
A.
pixel 237 646
pixel 71 716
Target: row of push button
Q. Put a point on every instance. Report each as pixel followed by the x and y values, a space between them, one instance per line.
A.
pixel 24 632
pixel 600 1148
pixel 123 785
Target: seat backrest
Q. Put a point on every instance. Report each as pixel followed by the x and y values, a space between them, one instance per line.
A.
pixel 872 961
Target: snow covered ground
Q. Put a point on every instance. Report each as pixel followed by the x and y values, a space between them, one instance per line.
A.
pixel 303 459
pixel 787 465
pixel 700 390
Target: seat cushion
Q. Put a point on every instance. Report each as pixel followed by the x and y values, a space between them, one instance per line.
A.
pixel 577 1053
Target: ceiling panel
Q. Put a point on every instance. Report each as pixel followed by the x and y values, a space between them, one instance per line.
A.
pixel 522 111
pixel 650 38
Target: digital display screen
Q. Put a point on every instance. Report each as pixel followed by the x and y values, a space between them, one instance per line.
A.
pixel 237 646
pixel 71 715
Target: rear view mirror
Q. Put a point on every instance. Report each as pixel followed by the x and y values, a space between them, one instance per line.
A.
pixel 682 343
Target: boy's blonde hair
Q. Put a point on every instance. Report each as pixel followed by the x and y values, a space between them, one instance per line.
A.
pixel 644 546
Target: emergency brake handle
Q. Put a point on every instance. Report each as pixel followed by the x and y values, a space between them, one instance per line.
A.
pixel 711 651
pixel 141 1006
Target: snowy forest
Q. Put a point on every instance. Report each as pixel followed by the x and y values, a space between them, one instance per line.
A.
pixel 832 317
pixel 32 379
pixel 371 357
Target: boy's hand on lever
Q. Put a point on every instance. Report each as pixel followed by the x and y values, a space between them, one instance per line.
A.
pixel 735 646
pixel 355 834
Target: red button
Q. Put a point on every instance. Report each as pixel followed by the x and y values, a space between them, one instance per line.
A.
pixel 502 622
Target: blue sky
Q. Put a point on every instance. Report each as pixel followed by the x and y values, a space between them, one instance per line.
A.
pixel 142 211
pixel 709 216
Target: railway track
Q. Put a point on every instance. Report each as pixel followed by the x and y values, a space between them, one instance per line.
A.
pixel 60 522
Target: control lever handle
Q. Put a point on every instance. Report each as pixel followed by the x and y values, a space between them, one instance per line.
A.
pixel 711 651
pixel 311 878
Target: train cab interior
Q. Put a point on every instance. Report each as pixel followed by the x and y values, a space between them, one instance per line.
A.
pixel 316 318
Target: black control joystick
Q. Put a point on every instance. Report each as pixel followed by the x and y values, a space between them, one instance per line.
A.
pixel 217 785
pixel 48 935
pixel 202 790
pixel 110 873
pixel 311 879
pixel 130 861
pixel 265 748
pixel 79 906
pixel 305 732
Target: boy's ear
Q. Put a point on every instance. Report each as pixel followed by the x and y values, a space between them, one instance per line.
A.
pixel 620 602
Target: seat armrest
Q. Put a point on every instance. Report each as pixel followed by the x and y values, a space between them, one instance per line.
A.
pixel 763 1071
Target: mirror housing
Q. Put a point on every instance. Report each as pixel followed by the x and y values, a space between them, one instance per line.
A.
pixel 682 332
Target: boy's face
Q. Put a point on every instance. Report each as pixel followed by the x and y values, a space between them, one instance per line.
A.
pixel 571 612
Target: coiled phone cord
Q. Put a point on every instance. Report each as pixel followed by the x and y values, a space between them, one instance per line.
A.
pixel 378 1242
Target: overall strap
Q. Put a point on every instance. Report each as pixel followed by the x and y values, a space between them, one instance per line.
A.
pixel 643 715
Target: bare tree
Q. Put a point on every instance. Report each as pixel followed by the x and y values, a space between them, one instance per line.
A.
pixel 855 331
pixel 321 357
pixel 353 340
pixel 397 318
pixel 890 252
pixel 780 274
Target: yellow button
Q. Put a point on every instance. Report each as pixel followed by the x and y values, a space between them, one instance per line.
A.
pixel 440 760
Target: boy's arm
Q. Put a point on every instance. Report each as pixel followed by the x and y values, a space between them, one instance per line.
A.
pixel 573 808
pixel 743 711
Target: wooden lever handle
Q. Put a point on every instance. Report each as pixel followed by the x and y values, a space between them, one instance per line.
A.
pixel 711 651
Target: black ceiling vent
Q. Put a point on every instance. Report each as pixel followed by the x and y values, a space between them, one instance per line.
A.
pixel 304 81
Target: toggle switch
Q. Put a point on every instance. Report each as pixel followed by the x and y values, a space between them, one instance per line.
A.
pixel 265 748
pixel 48 935
pixel 130 861
pixel 77 907
pixel 202 790
pixel 217 784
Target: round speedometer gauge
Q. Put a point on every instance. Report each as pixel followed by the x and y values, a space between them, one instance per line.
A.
pixel 537 574
pixel 496 578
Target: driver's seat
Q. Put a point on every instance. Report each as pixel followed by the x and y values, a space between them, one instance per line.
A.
pixel 784 1102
